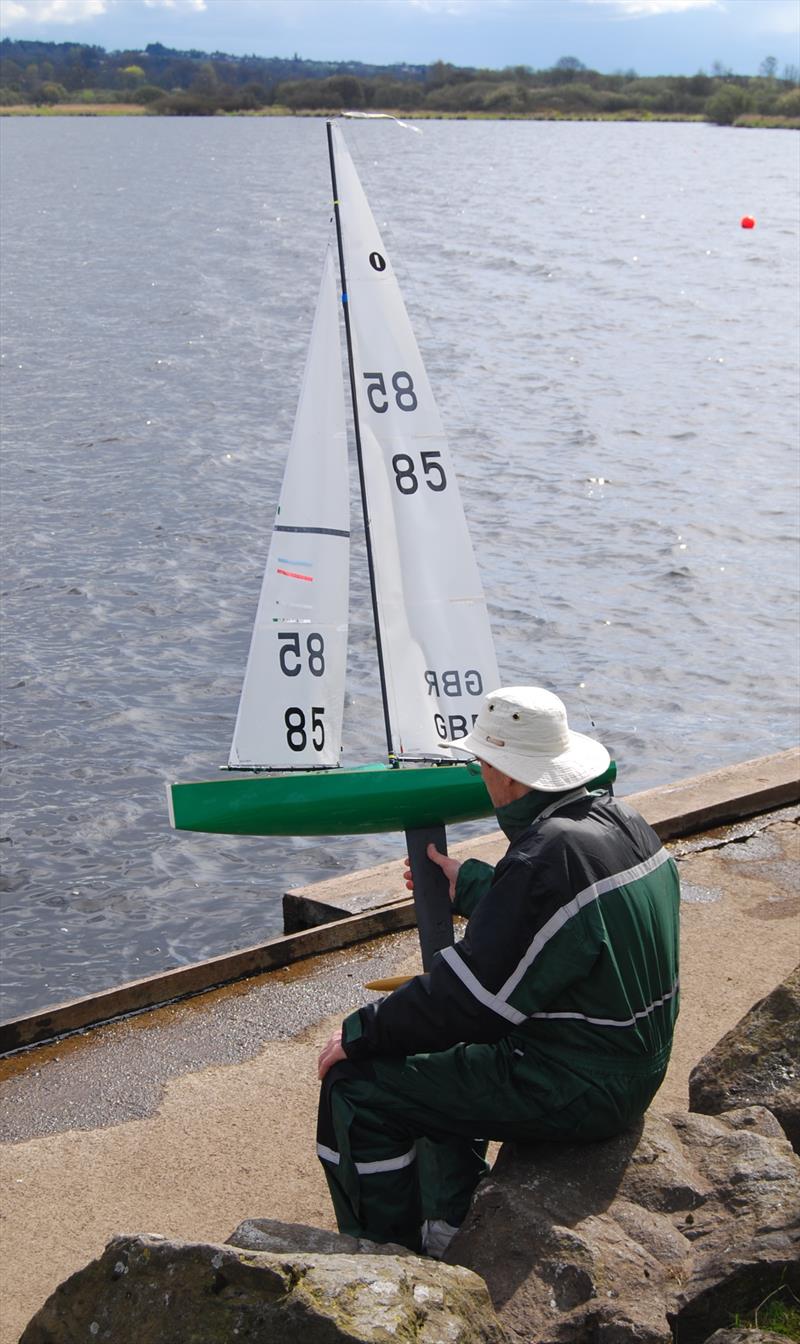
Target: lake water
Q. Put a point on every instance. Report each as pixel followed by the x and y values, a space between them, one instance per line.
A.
pixel 615 360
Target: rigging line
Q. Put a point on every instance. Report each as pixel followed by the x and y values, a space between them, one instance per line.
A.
pixel 383 116
pixel 359 454
pixel 433 326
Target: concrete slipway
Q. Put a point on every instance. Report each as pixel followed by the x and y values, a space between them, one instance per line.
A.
pixel 190 1117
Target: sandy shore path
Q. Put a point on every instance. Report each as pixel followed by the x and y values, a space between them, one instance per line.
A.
pixel 189 1119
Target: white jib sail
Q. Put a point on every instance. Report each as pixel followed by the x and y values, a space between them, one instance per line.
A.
pixel 438 651
pixel 290 712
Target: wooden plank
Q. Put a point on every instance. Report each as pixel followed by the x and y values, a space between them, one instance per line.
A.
pixel 137 995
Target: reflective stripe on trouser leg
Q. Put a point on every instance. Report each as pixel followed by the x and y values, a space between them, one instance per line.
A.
pixel 370 1167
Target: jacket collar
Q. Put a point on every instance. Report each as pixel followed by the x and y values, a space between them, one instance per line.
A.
pixel 515 818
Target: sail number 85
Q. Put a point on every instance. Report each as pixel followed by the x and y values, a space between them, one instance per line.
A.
pixel 405 472
pixel 402 386
pixel 290 656
pixel 297 728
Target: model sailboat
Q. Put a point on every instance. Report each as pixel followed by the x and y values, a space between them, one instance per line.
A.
pixel 435 652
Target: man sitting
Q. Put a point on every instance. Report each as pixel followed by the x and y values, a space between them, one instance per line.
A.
pixel 552 1018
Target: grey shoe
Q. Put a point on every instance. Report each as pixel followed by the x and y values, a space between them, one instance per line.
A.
pixel 436 1237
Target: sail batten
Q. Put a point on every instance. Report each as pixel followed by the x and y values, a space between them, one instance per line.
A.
pixel 315 531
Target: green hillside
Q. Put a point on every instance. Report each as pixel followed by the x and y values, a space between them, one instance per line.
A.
pixel 165 81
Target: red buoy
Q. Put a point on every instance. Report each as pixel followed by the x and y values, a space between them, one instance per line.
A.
pixel 748 222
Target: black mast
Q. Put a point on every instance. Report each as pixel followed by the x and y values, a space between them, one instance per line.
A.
pixel 359 455
pixel 431 888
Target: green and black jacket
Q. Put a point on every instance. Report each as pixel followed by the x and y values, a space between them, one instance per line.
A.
pixel 571 946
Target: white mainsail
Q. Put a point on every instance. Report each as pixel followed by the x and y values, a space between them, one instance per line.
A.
pixel 436 641
pixel 290 712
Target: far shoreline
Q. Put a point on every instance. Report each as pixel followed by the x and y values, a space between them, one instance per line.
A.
pixel 753 121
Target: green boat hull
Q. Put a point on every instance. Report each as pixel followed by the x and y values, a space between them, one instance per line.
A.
pixel 359 801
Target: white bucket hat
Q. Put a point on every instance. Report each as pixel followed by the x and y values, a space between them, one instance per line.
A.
pixel 523 731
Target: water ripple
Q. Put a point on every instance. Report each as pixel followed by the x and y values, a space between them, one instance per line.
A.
pixel 621 401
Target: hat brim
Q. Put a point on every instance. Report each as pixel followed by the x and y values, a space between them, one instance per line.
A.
pixel 583 760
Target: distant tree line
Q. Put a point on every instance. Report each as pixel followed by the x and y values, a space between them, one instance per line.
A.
pixel 195 83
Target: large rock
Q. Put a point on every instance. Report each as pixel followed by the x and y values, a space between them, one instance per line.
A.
pixel 270 1234
pixel 745 1335
pixel 757 1063
pixel 674 1226
pixel 146 1290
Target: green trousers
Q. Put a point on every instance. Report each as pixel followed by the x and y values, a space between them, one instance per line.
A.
pixel 403 1140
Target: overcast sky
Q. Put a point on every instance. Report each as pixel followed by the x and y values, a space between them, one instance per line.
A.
pixel 650 36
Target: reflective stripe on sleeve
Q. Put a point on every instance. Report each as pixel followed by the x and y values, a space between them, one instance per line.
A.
pixel 478 991
pixel 498 1003
pixel 571 909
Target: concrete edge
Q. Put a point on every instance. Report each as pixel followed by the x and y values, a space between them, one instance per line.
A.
pixel 721 796
pixel 712 799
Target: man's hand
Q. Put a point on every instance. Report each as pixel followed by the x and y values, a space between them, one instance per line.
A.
pixel 331 1054
pixel 448 866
